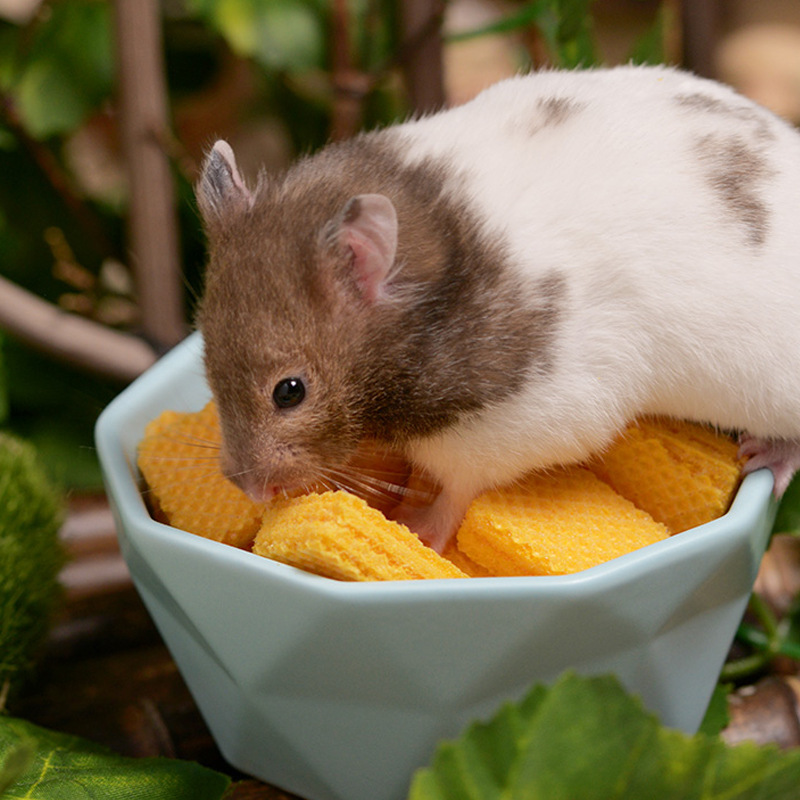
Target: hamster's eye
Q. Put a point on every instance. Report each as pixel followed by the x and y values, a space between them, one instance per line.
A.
pixel 289 392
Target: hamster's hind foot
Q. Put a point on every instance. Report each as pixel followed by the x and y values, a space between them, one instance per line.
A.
pixel 780 456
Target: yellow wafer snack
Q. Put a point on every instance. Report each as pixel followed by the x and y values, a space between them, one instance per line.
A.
pixel 679 473
pixel 682 474
pixel 464 562
pixel 179 460
pixel 336 534
pixel 553 524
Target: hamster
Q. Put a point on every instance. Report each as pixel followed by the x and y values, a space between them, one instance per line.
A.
pixel 504 285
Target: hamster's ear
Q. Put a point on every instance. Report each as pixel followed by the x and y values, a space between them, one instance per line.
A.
pixel 368 229
pixel 221 188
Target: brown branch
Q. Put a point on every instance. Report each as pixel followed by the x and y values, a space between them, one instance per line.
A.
pixel 350 86
pixel 70 338
pixel 700 25
pixel 421 53
pixel 153 226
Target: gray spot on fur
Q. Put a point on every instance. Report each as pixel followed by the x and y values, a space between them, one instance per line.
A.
pixel 758 122
pixel 557 110
pixel 732 152
pixel 735 170
pixel 548 112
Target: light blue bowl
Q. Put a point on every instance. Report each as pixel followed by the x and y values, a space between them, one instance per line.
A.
pixel 341 690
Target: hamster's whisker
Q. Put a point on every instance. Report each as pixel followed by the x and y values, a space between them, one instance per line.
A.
pixel 366 484
pixel 200 460
pixel 193 440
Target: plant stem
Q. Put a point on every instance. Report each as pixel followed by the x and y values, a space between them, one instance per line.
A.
pixel 350 86
pixel 768 640
pixel 420 54
pixel 742 668
pixel 764 614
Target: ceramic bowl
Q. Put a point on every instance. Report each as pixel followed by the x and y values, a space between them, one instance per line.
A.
pixel 339 691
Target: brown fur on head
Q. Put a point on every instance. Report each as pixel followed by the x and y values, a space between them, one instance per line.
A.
pixel 264 323
pixel 394 337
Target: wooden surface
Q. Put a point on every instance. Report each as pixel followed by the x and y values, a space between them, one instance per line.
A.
pixel 107 676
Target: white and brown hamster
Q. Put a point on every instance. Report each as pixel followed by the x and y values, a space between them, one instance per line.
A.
pixel 504 285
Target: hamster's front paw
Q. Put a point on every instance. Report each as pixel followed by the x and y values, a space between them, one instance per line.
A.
pixel 436 523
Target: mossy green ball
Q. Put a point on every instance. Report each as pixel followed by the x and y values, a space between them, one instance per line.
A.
pixel 31 556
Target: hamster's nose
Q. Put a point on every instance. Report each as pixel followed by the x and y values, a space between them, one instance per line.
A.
pixel 258 490
pixel 257 487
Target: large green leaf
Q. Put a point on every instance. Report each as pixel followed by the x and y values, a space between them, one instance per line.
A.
pixel 38 764
pixel 587 738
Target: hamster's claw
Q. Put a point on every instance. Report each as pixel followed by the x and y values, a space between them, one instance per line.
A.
pixel 780 456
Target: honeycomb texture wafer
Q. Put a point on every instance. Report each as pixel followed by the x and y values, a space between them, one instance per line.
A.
pixel 456 556
pixel 553 524
pixel 338 535
pixel 179 461
pixel 682 474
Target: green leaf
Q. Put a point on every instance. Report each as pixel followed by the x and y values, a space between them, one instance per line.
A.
pixel 55 766
pixel 566 26
pixel 575 35
pixel 587 738
pixel 717 715
pixel 279 35
pixel 49 100
pixel 17 760
pixel 67 69
pixel 649 48
pixel 529 14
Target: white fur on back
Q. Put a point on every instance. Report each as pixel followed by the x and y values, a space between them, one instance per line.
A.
pixel 681 273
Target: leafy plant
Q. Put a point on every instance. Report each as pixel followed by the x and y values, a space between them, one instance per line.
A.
pixel 30 558
pixel 39 764
pixel 766 635
pixel 588 738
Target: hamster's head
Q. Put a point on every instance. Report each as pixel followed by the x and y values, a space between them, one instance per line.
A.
pixel 285 314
